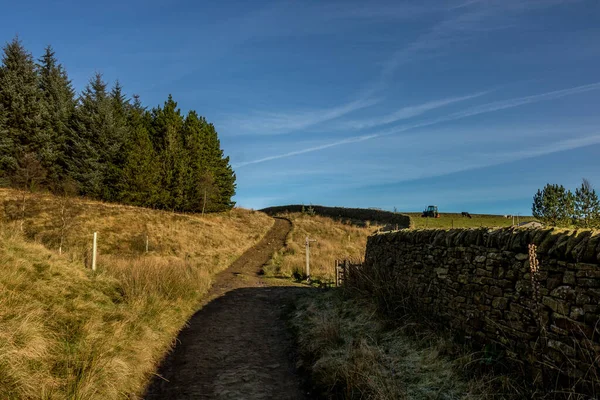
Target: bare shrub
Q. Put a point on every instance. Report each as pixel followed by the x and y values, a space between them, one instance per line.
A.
pixel 66 213
pixel 28 177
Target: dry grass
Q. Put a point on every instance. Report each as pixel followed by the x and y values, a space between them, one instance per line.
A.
pixel 66 332
pixel 334 240
pixel 350 352
pixel 122 229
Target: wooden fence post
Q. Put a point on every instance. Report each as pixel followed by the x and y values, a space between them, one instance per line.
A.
pixel 307 244
pixel 94 249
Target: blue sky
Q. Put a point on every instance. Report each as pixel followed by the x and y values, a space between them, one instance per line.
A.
pixel 471 105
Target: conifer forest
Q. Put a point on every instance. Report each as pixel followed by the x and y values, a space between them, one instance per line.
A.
pixel 103 145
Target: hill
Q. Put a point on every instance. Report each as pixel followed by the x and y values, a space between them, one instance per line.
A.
pixel 333 240
pixel 357 216
pixel 67 332
pixel 456 220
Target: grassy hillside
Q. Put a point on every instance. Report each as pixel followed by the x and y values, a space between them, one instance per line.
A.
pixel 334 240
pixel 66 332
pixel 456 220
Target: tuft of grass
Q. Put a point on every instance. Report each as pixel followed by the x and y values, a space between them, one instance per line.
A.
pixel 334 240
pixel 351 352
pixel 168 278
pixel 68 332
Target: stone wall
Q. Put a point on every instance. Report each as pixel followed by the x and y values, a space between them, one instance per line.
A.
pixel 477 282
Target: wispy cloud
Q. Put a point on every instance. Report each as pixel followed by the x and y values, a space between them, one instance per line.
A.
pixel 464 22
pixel 408 112
pixel 550 148
pixel 495 159
pixel 501 105
pixel 364 11
pixel 354 139
pixel 482 109
pixel 278 123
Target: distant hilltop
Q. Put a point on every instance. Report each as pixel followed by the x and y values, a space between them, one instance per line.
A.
pixel 357 216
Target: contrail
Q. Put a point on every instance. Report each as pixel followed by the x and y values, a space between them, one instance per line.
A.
pixel 354 139
pixel 409 112
pixel 469 112
pixel 501 105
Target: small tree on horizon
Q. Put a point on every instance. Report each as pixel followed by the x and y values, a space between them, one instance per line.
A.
pixel 554 205
pixel 587 206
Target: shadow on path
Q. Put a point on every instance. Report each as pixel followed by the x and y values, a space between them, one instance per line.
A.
pixel 237 346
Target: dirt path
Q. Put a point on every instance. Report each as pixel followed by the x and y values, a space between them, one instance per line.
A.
pixel 237 345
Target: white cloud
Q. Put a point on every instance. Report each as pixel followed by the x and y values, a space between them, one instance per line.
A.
pixel 482 109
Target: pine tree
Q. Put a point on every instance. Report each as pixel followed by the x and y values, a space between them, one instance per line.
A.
pixel 139 178
pixel 90 146
pixel 222 173
pixel 198 185
pixel 117 137
pixel 22 113
pixel 7 161
pixel 58 99
pixel 587 206
pixel 554 205
pixel 167 136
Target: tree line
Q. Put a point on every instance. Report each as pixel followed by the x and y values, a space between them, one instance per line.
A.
pixel 103 145
pixel 557 206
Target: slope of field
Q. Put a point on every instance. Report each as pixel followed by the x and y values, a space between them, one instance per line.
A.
pixel 456 220
pixel 334 240
pixel 66 332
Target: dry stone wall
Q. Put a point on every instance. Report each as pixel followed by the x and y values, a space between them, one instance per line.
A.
pixel 477 282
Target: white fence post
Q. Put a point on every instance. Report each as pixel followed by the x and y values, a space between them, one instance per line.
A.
pixel 94 249
pixel 307 259
pixel 146 242
pixel 308 240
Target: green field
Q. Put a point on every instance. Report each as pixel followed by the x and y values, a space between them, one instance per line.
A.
pixel 456 220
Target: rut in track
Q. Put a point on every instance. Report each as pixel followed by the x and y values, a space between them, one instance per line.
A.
pixel 237 345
